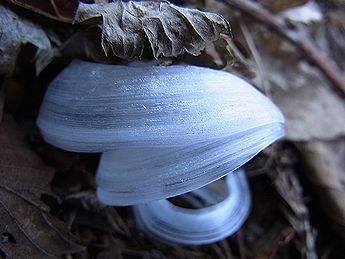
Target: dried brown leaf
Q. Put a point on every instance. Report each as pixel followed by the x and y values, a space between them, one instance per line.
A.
pixel 312 111
pixel 128 27
pixel 17 32
pixel 30 230
pixel 60 10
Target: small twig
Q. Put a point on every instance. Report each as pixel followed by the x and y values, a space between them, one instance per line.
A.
pixel 296 36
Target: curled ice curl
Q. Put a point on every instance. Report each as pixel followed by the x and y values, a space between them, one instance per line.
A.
pixel 163 131
pixel 222 216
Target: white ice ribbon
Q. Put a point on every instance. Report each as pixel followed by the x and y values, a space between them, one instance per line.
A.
pixel 163 131
pixel 168 222
pixel 131 176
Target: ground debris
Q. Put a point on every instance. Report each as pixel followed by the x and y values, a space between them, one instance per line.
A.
pixel 29 229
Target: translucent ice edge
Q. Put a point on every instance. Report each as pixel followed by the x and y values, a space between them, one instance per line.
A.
pixel 133 176
pixel 95 107
pixel 170 223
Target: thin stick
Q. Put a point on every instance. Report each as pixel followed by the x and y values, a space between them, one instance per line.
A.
pixel 296 36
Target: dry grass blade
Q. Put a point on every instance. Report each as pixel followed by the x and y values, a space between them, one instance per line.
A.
pixel 297 213
pixel 288 186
